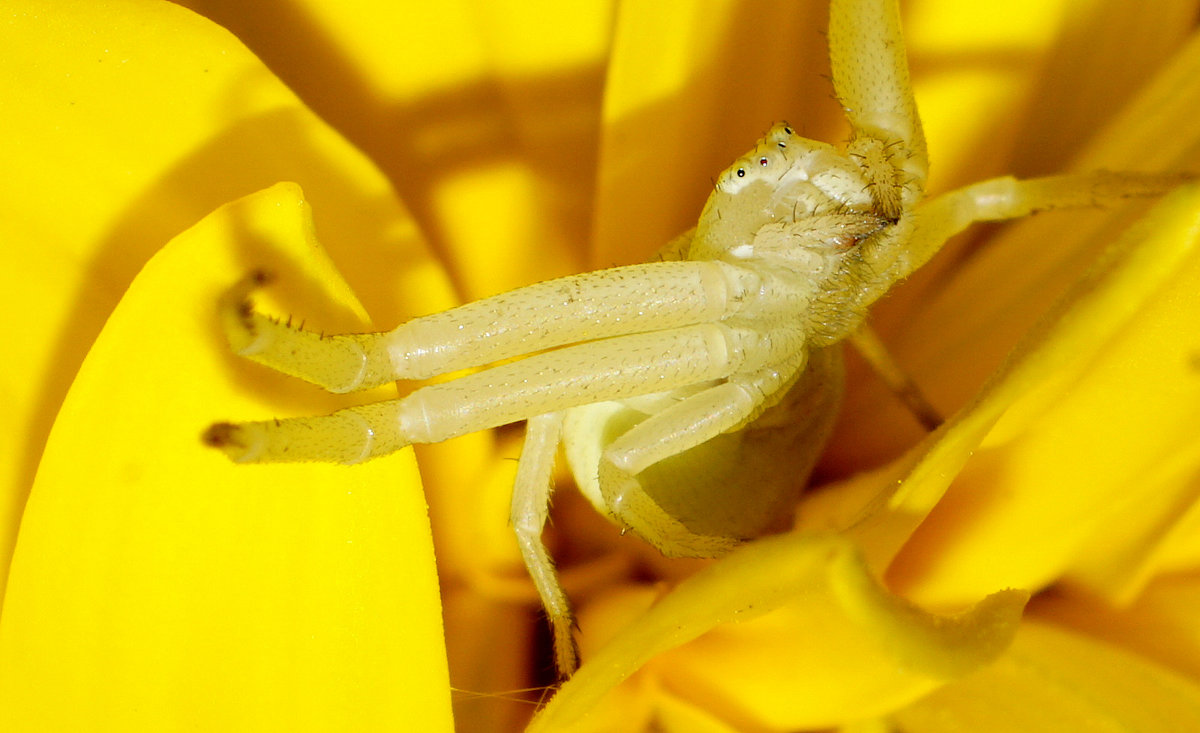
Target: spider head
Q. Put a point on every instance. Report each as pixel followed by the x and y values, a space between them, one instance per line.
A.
pixel 783 178
pixel 785 167
pixel 766 163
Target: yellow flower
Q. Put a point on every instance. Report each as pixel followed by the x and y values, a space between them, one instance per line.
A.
pixel 154 159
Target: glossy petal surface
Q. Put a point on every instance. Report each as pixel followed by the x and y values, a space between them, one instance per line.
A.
pixel 156 585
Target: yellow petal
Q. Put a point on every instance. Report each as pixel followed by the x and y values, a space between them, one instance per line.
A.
pixel 1104 54
pixel 971 69
pixel 1052 680
pixel 839 645
pixel 158 586
pixel 672 715
pixel 1102 394
pixel 1161 625
pixel 135 120
pixel 1180 545
pixel 484 115
pixel 1146 531
pixel 1158 128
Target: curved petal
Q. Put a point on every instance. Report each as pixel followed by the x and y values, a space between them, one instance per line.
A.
pixel 1102 394
pixel 136 119
pixel 156 585
pixel 879 652
pixel 1052 680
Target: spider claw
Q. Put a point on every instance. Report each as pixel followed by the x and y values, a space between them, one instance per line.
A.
pixel 219 434
pixel 566 652
pixel 233 440
pixel 238 317
pixel 240 291
pixel 225 436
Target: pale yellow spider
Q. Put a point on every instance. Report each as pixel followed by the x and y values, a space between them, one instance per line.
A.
pixel 692 394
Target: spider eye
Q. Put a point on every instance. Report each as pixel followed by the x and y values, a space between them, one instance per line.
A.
pixel 783 146
pixel 788 130
pixel 741 172
pixel 763 161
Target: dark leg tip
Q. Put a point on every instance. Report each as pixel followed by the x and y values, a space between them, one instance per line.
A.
pixel 220 435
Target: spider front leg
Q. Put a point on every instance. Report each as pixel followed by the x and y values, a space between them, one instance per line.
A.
pixel 585 307
pixel 870 77
pixel 658 297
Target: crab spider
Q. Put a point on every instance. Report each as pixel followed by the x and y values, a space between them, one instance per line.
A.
pixel 693 394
